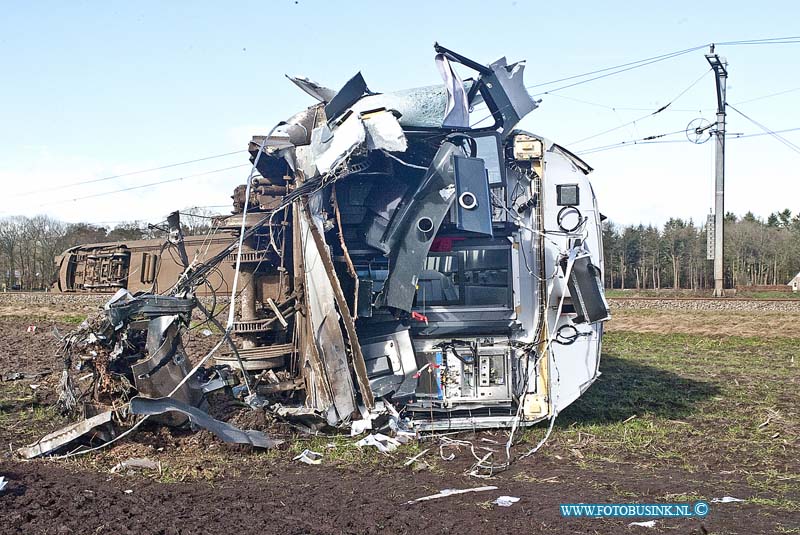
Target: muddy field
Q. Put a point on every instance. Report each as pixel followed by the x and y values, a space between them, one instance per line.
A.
pixel 680 414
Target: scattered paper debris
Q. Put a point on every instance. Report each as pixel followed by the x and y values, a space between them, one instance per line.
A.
pixel 206 332
pixel 506 501
pixel 31 329
pixel 359 426
pixel 129 491
pixel 727 499
pixel 450 492
pixel 137 463
pixel 382 442
pixel 309 457
pixel 648 524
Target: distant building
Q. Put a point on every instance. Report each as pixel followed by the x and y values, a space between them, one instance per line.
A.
pixel 795 283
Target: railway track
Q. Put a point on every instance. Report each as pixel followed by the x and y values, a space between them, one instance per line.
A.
pixel 715 299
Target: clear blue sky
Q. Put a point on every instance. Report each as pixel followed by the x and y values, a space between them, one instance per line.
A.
pixel 92 89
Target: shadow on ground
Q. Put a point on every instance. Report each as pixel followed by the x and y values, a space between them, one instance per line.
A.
pixel 626 387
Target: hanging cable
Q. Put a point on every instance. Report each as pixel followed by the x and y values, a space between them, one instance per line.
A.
pixel 656 112
pixel 769 131
pixel 114 177
pixel 142 186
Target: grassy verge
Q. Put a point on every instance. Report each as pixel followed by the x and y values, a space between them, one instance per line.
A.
pixel 727 407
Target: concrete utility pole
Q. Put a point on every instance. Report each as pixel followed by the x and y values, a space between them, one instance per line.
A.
pixel 720 66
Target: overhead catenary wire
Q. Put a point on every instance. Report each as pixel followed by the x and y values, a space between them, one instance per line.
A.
pixel 651 114
pixel 123 175
pixel 143 186
pixel 624 67
pixel 768 131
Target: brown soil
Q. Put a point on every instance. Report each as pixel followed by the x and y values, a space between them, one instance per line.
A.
pixel 267 493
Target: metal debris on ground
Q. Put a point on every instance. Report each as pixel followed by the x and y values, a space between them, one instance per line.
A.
pixel 450 492
pixel 309 457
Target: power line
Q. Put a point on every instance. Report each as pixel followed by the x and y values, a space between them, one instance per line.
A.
pixel 737 136
pixel 769 131
pixel 652 140
pixel 659 110
pixel 642 141
pixel 768 96
pixel 144 185
pixel 113 177
pixel 632 64
pixel 624 67
pixel 620 108
pixel 768 41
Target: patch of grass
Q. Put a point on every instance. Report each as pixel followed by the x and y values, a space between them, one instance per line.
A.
pixel 692 402
pixel 777 503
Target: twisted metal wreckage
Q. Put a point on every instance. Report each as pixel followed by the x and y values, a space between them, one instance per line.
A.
pixel 393 263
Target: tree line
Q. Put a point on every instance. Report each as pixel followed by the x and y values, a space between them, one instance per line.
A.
pixel 29 245
pixel 757 252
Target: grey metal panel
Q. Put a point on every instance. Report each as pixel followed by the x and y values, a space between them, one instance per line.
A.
pixel 473 209
pixel 411 231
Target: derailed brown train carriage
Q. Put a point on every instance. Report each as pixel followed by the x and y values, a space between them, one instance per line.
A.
pixel 393 252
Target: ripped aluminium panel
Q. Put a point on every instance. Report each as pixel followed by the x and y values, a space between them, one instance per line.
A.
pixel 64 436
pixel 226 432
pixel 349 324
pixel 332 372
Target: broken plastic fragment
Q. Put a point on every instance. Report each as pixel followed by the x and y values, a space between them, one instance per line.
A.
pixel 3 483
pixel 382 442
pixel 451 492
pixel 647 524
pixel 384 132
pixel 309 457
pixel 506 501
pixel 331 147
pixel 727 499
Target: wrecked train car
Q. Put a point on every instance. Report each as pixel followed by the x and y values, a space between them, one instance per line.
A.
pixel 388 253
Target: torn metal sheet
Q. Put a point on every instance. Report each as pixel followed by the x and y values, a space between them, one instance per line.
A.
pixel 225 431
pixel 451 492
pixel 348 95
pixel 331 372
pixel 457 110
pixel 318 91
pixel 332 147
pixel 410 234
pixel 62 437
